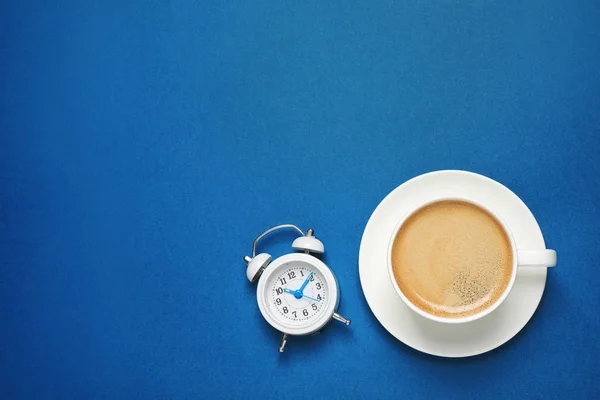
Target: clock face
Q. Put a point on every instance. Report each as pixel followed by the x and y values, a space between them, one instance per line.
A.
pixel 297 294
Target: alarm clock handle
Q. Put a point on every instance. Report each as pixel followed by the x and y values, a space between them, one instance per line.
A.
pixel 271 230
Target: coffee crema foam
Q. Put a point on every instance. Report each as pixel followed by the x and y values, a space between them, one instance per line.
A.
pixel 452 259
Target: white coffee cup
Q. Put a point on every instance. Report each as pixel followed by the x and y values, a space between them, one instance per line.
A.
pixel 521 258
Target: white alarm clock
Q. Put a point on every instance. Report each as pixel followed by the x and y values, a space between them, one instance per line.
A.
pixel 297 293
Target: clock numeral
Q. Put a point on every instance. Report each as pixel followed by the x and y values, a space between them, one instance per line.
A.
pixel 301 273
pixel 312 278
pixel 314 306
pixel 318 285
pixel 285 310
pixel 294 312
pixel 282 280
pixel 305 312
pixel 319 297
pixel 279 290
pixel 291 275
pixel 278 301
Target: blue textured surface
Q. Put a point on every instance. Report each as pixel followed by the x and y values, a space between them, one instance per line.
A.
pixel 143 145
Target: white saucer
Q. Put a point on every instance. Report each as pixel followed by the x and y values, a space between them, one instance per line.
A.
pixel 461 340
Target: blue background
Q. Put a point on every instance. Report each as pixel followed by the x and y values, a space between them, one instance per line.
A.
pixel 144 144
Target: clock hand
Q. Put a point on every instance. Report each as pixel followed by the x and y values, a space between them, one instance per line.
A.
pixel 299 295
pixel 296 293
pixel 305 282
pixel 311 298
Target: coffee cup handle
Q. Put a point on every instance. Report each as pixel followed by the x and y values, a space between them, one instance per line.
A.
pixel 536 258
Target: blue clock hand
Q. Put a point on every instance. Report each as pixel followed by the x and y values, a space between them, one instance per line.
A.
pixel 299 295
pixel 311 298
pixel 305 282
pixel 296 293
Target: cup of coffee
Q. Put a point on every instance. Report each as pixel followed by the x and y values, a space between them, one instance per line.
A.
pixel 454 260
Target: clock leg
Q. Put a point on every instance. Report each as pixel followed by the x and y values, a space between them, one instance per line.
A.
pixel 283 342
pixel 338 317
